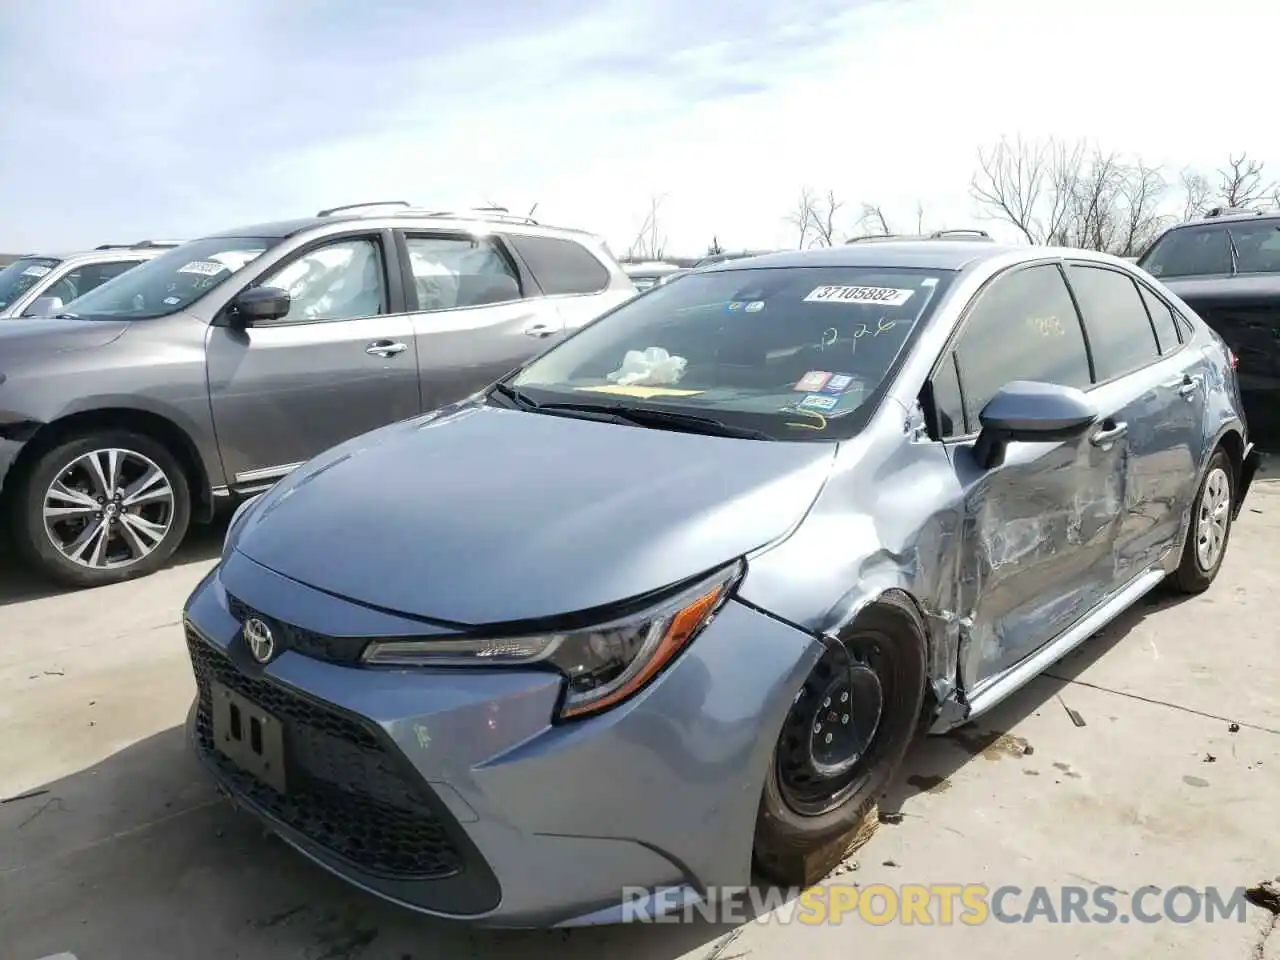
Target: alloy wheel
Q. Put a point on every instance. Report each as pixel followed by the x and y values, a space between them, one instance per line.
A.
pixel 1212 518
pixel 108 508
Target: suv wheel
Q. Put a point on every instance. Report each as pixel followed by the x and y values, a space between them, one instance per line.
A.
pixel 102 508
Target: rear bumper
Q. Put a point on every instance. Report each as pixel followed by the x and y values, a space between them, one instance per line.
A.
pixel 1248 470
pixel 452 792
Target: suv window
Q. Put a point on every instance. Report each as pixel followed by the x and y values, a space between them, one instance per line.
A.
pixel 561 266
pixel 76 283
pixel 1167 335
pixel 451 272
pixel 1257 245
pixel 1022 327
pixel 1189 252
pixel 1120 332
pixel 339 281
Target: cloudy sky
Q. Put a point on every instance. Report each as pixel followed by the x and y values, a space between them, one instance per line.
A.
pixel 133 118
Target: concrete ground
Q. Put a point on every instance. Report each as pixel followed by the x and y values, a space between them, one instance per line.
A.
pixel 123 852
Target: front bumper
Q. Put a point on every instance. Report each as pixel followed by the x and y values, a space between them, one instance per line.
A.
pixel 453 793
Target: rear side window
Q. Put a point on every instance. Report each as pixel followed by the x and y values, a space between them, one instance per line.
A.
pixel 1120 332
pixel 1167 338
pixel 1190 252
pixel 1024 326
pixel 561 266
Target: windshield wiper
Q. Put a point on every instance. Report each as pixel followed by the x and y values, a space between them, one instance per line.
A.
pixel 645 417
pixel 514 395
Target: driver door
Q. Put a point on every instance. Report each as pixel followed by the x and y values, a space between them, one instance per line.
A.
pixel 341 363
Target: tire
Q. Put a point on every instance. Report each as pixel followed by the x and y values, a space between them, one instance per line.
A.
pixel 160 519
pixel 1199 567
pixel 797 844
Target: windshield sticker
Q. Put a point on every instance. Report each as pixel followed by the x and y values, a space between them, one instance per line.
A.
pixel 736 306
pixel 838 383
pixel 172 300
pixel 755 306
pixel 35 271
pixel 643 393
pixel 812 382
pixel 818 401
pixel 885 296
pixel 205 268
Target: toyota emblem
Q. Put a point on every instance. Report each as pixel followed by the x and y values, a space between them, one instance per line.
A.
pixel 257 635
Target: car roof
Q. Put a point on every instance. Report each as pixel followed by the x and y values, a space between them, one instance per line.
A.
pixel 105 251
pixel 926 254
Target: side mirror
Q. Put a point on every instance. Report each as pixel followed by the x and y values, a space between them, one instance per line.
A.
pixel 45 307
pixel 259 305
pixel 1029 412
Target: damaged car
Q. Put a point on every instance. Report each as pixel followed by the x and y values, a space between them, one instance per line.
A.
pixel 674 598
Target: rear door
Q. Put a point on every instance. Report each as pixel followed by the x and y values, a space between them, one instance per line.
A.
pixel 1152 402
pixel 1039 528
pixel 477 314
pixel 342 362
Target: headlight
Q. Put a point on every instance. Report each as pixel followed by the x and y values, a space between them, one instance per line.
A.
pixel 602 666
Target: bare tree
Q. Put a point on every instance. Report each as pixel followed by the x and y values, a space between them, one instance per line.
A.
pixel 801 216
pixel 1011 183
pixel 714 248
pixel 1142 194
pixel 873 220
pixel 814 217
pixel 650 242
pixel 1195 193
pixel 1241 182
pixel 919 217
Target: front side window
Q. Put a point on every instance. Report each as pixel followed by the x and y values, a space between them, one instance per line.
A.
pixel 81 280
pixel 798 353
pixel 1120 331
pixel 338 281
pixel 455 272
pixel 21 275
pixel 1024 326
pixel 171 282
pixel 1189 252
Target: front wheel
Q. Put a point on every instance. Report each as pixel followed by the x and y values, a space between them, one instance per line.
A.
pixel 102 508
pixel 843 741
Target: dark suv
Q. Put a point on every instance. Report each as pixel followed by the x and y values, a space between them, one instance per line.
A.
pixel 211 371
pixel 1226 267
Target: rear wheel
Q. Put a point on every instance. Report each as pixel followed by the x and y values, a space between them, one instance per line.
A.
pixel 843 740
pixel 102 508
pixel 1210 528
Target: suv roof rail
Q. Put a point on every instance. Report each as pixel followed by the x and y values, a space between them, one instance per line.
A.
pixel 500 214
pixel 141 244
pixel 1231 212
pixel 360 206
pixel 961 231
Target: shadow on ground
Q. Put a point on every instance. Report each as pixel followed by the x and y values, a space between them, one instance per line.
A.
pixel 19 584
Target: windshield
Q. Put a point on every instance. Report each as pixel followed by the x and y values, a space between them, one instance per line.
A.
pixel 21 275
pixel 1207 250
pixel 171 282
pixel 797 353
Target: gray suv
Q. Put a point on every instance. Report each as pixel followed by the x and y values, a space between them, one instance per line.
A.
pixel 39 284
pixel 213 370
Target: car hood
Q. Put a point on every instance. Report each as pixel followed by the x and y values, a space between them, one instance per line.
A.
pixel 484 515
pixel 27 337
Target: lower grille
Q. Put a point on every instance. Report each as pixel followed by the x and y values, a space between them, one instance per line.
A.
pixel 344 792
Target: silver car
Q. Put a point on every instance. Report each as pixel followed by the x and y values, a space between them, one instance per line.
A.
pixel 38 285
pixel 676 596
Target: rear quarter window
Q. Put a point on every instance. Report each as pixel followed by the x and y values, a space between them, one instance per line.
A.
pixel 561 266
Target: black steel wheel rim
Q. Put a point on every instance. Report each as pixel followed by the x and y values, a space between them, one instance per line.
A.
pixel 832 735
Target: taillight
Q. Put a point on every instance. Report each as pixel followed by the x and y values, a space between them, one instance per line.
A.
pixel 1235 361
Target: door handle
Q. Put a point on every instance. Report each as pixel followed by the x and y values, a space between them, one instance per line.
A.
pixel 539 330
pixel 1188 388
pixel 1109 432
pixel 385 348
